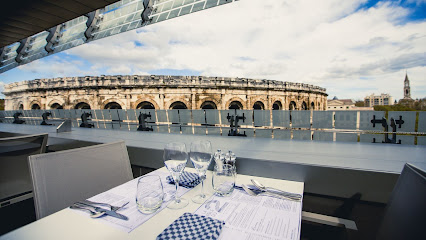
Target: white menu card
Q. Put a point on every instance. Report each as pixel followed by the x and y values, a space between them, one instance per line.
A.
pixel 254 217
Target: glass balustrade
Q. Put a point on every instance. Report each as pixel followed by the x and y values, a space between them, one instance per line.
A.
pixel 407 128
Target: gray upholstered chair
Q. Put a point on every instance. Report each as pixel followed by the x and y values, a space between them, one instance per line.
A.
pixel 405 212
pixel 405 216
pixel 15 179
pixel 62 178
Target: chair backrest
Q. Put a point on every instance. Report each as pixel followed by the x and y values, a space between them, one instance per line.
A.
pixel 15 179
pixel 406 210
pixel 62 178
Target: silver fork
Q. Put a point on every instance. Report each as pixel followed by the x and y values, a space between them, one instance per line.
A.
pixel 113 208
pixel 270 194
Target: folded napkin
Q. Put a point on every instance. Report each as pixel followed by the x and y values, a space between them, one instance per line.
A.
pixel 192 226
pixel 187 179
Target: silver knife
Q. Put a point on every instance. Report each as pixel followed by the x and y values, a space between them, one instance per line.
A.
pixel 107 212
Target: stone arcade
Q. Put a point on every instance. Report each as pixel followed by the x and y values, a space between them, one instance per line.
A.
pixel 162 92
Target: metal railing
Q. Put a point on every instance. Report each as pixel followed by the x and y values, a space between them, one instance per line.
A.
pixel 340 126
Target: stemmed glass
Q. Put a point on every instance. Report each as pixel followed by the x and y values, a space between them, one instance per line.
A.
pixel 175 158
pixel 201 156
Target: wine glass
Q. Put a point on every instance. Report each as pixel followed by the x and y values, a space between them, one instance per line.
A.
pixel 201 156
pixel 175 158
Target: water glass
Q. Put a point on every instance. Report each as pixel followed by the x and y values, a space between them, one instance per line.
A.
pixel 149 194
pixel 223 179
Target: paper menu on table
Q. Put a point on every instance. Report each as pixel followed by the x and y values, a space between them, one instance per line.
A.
pixel 127 193
pixel 252 218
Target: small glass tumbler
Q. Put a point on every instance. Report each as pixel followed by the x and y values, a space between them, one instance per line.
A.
pixel 223 179
pixel 149 194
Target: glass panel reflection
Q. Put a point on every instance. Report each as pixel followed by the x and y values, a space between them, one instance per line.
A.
pixel 408 118
pixel 345 120
pixel 421 140
pixel 301 119
pixel 346 137
pixel 405 139
pixel 422 122
pixel 322 119
pixel 281 118
pixel 365 118
pixel 323 136
pixel 282 134
pixel 302 135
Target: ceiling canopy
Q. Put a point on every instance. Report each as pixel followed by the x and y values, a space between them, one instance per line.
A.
pixel 20 19
pixel 33 29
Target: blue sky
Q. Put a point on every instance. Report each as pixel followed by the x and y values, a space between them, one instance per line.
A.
pixel 353 47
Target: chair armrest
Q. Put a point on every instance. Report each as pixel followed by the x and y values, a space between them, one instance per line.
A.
pixel 328 220
pixel 16 198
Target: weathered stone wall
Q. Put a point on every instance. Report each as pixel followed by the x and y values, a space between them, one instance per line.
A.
pixel 162 92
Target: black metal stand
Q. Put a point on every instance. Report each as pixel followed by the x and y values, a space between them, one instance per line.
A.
pixel 142 122
pixel 45 116
pixel 233 122
pixel 85 120
pixel 16 118
pixel 393 124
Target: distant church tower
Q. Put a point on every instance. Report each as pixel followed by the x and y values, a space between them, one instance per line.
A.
pixel 407 92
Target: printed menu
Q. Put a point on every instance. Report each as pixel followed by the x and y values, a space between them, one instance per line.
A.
pixel 254 217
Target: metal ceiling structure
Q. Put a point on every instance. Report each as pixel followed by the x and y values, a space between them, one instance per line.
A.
pixel 24 18
pixel 33 29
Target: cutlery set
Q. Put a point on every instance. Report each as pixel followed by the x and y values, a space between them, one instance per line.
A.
pixel 261 190
pixel 96 212
pixel 113 208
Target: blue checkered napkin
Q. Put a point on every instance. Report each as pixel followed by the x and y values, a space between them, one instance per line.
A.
pixel 187 179
pixel 192 226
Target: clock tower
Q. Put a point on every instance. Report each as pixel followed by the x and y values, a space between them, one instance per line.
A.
pixel 407 91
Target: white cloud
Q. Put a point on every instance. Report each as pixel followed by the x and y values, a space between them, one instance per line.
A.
pixel 326 43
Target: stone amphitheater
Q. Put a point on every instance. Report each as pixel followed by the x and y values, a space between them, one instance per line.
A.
pixel 162 92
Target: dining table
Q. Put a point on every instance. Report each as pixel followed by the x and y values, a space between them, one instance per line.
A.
pixel 71 224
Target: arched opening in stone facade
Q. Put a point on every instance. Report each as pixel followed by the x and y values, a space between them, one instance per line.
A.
pixel 312 105
pixel 235 105
pixel 208 105
pixel 304 106
pixel 112 105
pixel 258 105
pixel 277 105
pixel 145 105
pixel 292 105
pixel 35 106
pixel 82 105
pixel 178 105
pixel 56 106
pixel 21 106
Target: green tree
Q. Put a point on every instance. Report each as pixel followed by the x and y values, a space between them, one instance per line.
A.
pixel 416 106
pixel 359 104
